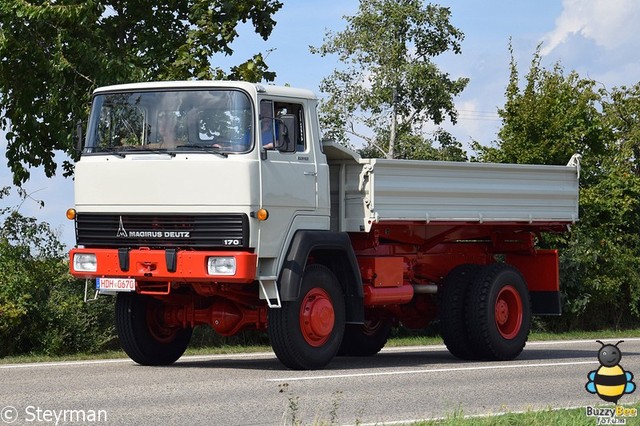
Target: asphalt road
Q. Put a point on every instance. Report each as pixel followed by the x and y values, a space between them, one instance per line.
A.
pixel 397 385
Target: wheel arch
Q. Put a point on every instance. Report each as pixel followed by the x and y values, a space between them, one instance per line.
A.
pixel 333 250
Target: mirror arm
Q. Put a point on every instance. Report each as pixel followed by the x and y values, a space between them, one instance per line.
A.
pixel 79 138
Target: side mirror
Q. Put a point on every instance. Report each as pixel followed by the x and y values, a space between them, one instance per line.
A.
pixel 78 136
pixel 287 136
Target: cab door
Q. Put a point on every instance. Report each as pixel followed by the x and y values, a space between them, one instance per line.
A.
pixel 288 179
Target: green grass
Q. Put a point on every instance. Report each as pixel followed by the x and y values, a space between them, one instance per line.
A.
pixel 22 359
pixel 534 336
pixel 585 335
pixel 394 342
pixel 546 417
pixel 549 417
pixel 32 358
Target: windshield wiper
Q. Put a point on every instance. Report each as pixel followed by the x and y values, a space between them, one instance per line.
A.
pixel 208 149
pixel 109 151
pixel 122 151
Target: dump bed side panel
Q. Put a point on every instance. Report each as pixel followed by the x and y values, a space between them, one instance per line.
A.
pixel 378 190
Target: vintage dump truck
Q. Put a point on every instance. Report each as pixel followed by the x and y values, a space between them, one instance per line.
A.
pixel 217 203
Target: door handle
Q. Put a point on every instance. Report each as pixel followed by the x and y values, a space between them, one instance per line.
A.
pixel 310 173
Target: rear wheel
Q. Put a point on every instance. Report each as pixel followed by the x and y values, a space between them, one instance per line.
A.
pixel 499 312
pixel 143 334
pixel 306 333
pixel 365 339
pixel 453 310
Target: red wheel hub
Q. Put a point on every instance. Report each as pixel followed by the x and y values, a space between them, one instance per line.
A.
pixel 317 317
pixel 371 327
pixel 161 332
pixel 508 312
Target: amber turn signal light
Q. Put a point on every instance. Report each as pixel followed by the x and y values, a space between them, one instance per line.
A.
pixel 261 214
pixel 71 214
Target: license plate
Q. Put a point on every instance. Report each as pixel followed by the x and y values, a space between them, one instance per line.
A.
pixel 116 284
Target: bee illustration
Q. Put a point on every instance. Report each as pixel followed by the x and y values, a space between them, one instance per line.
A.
pixel 610 381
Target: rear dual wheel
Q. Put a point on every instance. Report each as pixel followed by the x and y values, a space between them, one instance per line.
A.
pixel 499 313
pixel 485 312
pixel 453 311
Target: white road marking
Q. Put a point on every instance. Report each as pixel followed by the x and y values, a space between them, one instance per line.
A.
pixel 186 358
pixel 431 370
pixel 581 341
pixel 529 344
pixel 64 363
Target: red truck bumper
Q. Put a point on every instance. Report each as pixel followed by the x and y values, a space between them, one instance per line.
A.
pixel 163 265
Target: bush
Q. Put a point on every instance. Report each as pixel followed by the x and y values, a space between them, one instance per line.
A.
pixel 41 304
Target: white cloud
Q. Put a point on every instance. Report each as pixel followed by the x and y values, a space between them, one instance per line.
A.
pixel 610 24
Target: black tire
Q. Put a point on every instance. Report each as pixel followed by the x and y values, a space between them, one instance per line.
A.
pixel 142 335
pixel 499 312
pixel 365 339
pixel 453 310
pixel 295 341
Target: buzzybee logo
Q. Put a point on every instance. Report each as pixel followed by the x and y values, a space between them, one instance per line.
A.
pixel 610 382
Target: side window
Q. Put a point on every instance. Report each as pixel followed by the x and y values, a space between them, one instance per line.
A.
pixel 296 110
pixel 267 128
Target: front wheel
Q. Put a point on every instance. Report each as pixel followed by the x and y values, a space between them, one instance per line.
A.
pixel 499 312
pixel 305 334
pixel 143 334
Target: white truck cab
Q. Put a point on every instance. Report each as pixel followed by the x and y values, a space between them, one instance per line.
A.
pixel 194 149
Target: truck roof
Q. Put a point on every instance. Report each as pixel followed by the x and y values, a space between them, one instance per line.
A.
pixel 204 84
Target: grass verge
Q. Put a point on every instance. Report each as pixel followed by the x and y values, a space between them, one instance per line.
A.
pixel 549 417
pixel 534 336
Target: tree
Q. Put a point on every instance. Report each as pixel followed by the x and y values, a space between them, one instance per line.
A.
pixel 548 120
pixel 390 85
pixel 54 53
pixel 416 147
pixel 41 310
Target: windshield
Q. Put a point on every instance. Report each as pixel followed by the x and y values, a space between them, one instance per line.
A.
pixel 216 120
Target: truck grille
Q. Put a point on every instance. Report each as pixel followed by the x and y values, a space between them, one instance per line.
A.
pixel 161 231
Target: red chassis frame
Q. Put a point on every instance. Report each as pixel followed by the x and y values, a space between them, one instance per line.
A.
pixel 401 265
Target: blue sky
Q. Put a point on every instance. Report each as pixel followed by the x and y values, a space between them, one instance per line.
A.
pixel 597 38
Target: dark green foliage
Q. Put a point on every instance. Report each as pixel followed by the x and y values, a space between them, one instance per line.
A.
pixel 53 54
pixel 416 147
pixel 552 117
pixel 548 120
pixel 41 305
pixel 605 246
